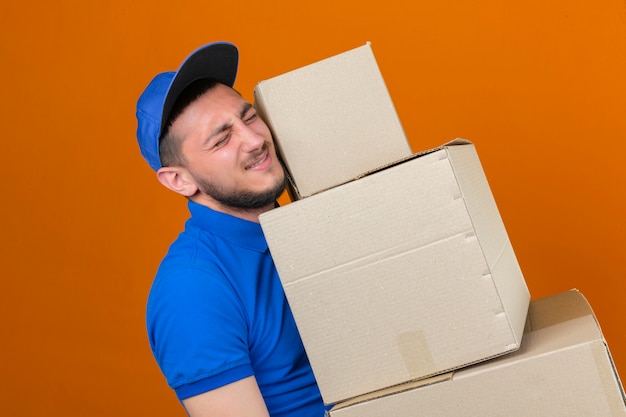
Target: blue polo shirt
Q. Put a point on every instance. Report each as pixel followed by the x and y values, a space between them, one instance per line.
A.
pixel 217 313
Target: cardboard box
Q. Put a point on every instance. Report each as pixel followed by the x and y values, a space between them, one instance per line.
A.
pixel 332 121
pixel 563 368
pixel 401 274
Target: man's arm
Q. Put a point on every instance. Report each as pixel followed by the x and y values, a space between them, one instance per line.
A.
pixel 238 399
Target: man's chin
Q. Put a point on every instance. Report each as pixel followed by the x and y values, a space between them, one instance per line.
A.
pixel 250 200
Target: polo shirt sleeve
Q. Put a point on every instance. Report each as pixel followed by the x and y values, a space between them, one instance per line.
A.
pixel 198 330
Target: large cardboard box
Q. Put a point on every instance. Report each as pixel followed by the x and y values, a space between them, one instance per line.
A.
pixel 332 121
pixel 401 274
pixel 563 368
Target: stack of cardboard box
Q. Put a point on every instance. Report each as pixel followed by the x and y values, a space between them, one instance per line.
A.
pixel 399 271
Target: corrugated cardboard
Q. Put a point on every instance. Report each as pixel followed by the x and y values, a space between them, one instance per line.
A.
pixel 401 274
pixel 332 121
pixel 563 368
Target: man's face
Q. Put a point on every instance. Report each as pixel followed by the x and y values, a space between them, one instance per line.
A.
pixel 229 152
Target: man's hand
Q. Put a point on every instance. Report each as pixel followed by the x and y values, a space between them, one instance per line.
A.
pixel 239 399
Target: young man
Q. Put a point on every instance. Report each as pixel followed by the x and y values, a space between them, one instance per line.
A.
pixel 218 322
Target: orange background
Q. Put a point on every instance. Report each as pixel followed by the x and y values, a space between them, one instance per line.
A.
pixel 538 86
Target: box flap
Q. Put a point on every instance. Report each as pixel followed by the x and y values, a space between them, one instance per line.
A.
pixel 548 311
pixel 569 305
pixel 553 323
pixel 394 390
pixel 453 142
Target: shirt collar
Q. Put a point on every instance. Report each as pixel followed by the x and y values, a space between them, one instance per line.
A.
pixel 238 231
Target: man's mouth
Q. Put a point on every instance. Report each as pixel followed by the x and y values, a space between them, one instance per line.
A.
pixel 258 161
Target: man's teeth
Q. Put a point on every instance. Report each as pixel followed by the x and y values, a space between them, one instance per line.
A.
pixel 258 162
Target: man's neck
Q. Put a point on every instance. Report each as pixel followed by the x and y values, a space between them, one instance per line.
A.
pixel 245 214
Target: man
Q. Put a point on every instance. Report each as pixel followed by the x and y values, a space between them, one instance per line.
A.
pixel 218 322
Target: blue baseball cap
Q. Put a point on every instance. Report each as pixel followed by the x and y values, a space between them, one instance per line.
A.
pixel 217 60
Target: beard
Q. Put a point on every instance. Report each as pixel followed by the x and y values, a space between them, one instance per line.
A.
pixel 242 200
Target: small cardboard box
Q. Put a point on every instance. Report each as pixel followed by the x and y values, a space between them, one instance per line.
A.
pixel 332 121
pixel 402 274
pixel 563 368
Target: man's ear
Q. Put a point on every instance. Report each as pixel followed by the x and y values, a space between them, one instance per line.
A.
pixel 178 180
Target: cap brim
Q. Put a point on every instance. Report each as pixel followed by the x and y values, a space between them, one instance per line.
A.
pixel 217 60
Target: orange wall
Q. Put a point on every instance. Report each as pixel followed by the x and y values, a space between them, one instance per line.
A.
pixel 538 86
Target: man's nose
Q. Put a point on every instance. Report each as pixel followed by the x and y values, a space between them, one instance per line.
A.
pixel 250 139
